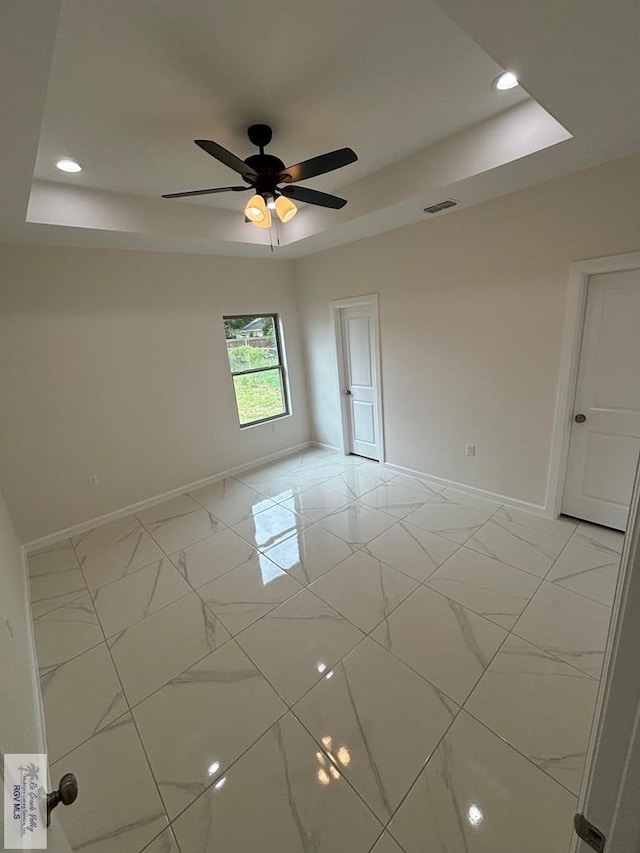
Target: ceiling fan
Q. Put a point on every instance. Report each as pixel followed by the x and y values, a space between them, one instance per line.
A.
pixel 263 173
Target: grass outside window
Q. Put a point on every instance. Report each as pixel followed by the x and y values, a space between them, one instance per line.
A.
pixel 257 369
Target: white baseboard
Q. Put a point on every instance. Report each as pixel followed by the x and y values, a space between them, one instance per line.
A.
pixel 470 490
pixel 77 529
pixel 326 446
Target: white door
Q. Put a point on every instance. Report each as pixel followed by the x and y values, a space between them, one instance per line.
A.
pixel 360 392
pixel 605 436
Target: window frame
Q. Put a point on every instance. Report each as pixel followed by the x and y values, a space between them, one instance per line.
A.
pixel 280 366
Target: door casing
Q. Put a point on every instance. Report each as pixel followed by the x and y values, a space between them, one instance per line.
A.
pixel 337 305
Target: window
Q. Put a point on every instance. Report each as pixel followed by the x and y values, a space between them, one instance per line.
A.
pixel 257 369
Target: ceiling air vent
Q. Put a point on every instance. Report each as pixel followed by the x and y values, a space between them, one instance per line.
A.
pixel 442 205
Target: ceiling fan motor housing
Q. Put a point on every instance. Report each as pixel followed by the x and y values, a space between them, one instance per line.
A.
pixel 267 167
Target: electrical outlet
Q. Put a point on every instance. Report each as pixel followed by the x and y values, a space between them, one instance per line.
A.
pixel 92 480
pixel 470 450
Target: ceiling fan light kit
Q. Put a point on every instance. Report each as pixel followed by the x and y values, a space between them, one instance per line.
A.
pixel 285 209
pixel 263 173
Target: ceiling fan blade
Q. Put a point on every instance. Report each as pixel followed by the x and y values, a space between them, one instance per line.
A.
pixel 318 165
pixel 207 192
pixel 313 197
pixel 225 157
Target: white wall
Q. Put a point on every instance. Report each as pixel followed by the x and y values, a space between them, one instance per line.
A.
pixel 20 728
pixel 471 310
pixel 115 365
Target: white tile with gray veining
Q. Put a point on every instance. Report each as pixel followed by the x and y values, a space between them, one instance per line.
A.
pixel 353 483
pixel 568 626
pixel 273 482
pixel 377 738
pixel 411 550
pixel 80 697
pixel 374 604
pixel 589 571
pixel 248 592
pixel 394 498
pixel 454 521
pixel 377 469
pixel 55 577
pixel 594 536
pixel 151 652
pixel 444 642
pixel 488 587
pixel 318 474
pixel 302 460
pixel 386 844
pixel 316 502
pixel 135 596
pixel 428 488
pixel 66 632
pixel 119 809
pixel 563 527
pixel 478 795
pixel 163 843
pixel 224 704
pixel 298 642
pixel 110 552
pixel 541 706
pixel 271 526
pixel 52 558
pixel 523 547
pixel 363 589
pixel 310 553
pixel 231 501
pixel 357 523
pixel 179 522
pixel 455 496
pixel 296 804
pixel 211 557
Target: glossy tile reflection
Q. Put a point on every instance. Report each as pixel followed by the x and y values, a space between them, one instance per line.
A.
pixel 321 654
pixel 271 526
pixel 359 724
pixel 290 809
pixel 204 701
pixel 243 595
pixel 478 795
pixel 292 642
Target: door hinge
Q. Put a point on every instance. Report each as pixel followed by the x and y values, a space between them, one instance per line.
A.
pixel 589 833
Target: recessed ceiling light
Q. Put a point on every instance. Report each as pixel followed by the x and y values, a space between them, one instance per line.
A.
pixel 506 80
pixel 68 165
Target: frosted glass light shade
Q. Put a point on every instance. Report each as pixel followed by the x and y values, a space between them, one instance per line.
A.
pixel 285 208
pixel 256 211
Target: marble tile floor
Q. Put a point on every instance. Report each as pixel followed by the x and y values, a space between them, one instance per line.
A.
pixel 322 655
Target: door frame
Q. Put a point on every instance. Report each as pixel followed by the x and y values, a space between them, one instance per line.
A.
pixel 575 312
pixel 337 305
pixel 613 753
